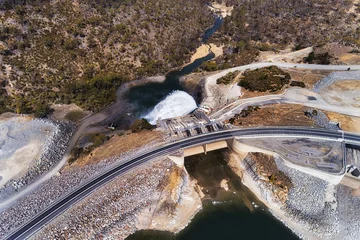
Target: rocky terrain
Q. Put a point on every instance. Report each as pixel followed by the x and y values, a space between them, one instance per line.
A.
pixel 112 209
pixel 50 151
pixel 56 187
pixel 311 207
pixel 158 195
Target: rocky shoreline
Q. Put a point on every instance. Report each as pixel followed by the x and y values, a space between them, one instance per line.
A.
pixel 313 209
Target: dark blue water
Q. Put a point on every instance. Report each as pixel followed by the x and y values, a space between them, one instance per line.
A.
pixel 145 97
pixel 225 214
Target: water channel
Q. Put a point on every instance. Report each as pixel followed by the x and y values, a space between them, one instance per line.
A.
pixel 145 97
pixel 225 214
pixel 233 214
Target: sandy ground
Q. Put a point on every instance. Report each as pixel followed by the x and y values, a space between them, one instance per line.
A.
pixel 347 123
pixel 221 8
pixel 63 112
pixel 286 55
pixel 344 93
pixel 119 144
pixel 205 49
pixel 173 208
pixel 19 162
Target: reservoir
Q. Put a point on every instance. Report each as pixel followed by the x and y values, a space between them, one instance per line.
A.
pixel 225 214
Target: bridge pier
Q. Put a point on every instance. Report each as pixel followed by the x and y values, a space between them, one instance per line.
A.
pixel 205 148
pixel 178 160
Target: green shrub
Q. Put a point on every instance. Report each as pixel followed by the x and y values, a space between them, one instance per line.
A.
pixel 140 124
pixel 265 79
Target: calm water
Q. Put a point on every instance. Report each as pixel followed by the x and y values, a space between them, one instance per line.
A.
pixel 225 214
pixel 145 97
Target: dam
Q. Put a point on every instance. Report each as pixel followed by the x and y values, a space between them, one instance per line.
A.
pixel 309 161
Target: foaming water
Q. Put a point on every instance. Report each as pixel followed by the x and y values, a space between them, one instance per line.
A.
pixel 177 103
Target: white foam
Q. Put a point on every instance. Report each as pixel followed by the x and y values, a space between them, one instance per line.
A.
pixel 177 103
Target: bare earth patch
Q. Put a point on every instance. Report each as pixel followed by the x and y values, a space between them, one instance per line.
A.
pixel 70 112
pixel 119 144
pixel 206 49
pixel 347 123
pixel 276 115
pixel 343 93
pixel 22 141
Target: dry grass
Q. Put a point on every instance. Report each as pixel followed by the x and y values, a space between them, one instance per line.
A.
pixel 276 115
pixel 350 58
pixel 119 144
pixel 345 85
pixel 309 77
pixel 347 123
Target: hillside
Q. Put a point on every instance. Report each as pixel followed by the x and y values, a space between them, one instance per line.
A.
pixel 263 25
pixel 51 51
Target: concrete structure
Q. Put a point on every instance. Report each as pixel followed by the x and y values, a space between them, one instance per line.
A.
pixel 61 205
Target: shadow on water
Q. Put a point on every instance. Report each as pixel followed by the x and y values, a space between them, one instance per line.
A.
pixel 225 214
pixel 145 97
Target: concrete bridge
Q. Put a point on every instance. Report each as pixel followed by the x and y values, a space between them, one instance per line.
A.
pixel 238 147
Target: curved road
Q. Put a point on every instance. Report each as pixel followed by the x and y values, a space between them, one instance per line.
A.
pixel 112 109
pixel 32 226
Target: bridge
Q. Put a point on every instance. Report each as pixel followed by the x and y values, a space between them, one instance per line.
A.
pixel 204 140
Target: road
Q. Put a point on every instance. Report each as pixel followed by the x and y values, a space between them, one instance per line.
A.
pixel 116 107
pixel 211 80
pixel 67 201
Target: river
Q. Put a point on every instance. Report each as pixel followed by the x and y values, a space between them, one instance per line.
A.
pixel 145 97
pixel 233 214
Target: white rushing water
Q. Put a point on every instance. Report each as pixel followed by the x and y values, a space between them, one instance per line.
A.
pixel 177 103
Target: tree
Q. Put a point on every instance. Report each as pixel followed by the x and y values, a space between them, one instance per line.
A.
pixel 42 110
pixel 140 124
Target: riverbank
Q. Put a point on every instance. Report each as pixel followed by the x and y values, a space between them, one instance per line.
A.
pixel 264 194
pixel 206 49
pixel 313 208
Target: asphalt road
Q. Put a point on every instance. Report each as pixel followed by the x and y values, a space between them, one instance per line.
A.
pixel 43 218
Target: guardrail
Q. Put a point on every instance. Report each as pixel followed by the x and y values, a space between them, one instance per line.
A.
pixel 233 133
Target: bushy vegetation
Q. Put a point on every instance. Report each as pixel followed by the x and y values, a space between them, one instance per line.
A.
pixel 265 79
pixel 141 124
pixel 299 22
pixel 228 78
pixel 318 58
pixel 297 84
pixel 94 93
pixel 56 49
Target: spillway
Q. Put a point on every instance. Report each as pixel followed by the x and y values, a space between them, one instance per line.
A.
pixel 177 103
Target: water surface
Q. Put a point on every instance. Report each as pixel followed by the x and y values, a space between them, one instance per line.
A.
pixel 145 97
pixel 225 214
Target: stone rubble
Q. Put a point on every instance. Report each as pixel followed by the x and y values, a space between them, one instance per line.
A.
pixel 56 187
pixel 334 77
pixel 311 202
pixel 53 150
pixel 111 211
